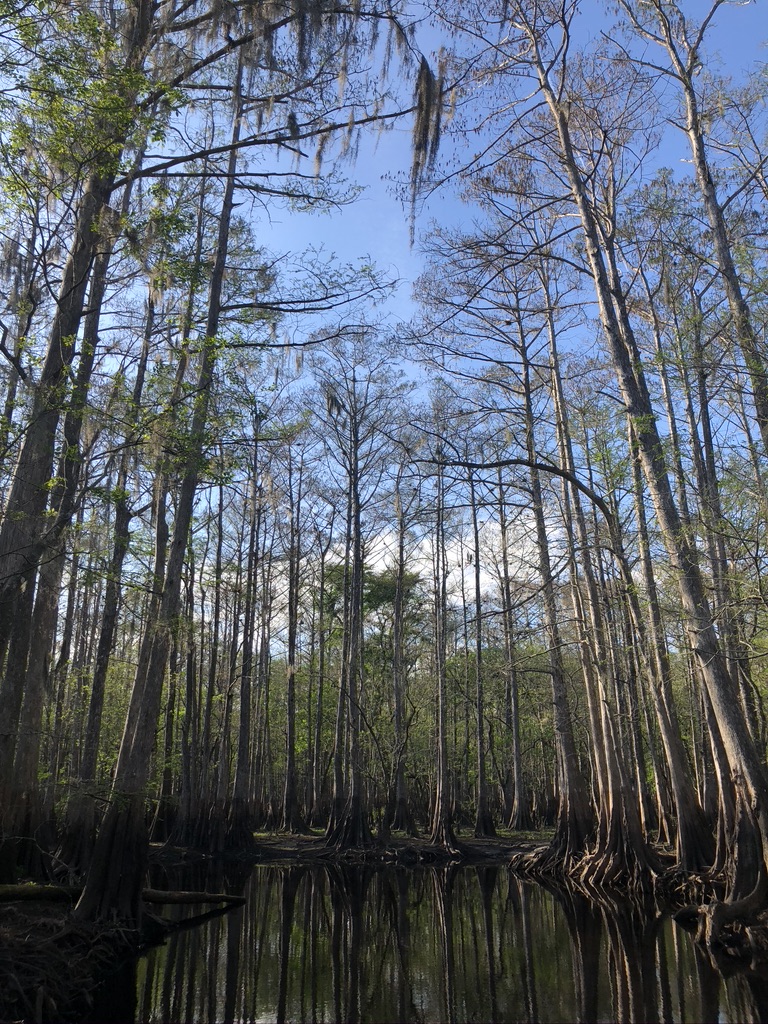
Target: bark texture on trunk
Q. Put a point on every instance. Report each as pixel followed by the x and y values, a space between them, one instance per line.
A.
pixel 114 882
pixel 747 773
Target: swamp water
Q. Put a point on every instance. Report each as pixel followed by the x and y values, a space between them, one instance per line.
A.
pixel 334 943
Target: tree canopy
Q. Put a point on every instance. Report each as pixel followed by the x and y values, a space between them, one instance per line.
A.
pixel 270 560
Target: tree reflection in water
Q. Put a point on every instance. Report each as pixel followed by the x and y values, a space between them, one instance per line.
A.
pixel 345 943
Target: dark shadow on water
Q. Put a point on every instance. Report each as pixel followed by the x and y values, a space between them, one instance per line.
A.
pixel 341 943
pixel 116 1001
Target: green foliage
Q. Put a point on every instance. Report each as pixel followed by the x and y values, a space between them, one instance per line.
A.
pixel 76 98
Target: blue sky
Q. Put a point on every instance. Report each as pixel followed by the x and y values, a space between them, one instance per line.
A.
pixel 378 223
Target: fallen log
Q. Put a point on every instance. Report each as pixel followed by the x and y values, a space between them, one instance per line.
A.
pixel 34 891
pixel 58 893
pixel 163 896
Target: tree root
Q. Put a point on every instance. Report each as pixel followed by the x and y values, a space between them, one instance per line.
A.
pixel 50 970
pixel 443 838
pixel 52 966
pixel 725 928
pixel 351 830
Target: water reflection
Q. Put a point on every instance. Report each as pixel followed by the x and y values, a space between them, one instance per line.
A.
pixel 355 944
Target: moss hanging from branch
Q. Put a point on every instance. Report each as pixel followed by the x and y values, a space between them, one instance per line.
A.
pixel 426 128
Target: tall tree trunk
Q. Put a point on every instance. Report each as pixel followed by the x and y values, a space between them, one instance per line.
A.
pixel 353 829
pixel 80 819
pixel 694 840
pixel 114 882
pixel 442 833
pixel 32 824
pixel 24 532
pixel 703 451
pixel 484 826
pixel 400 814
pixel 519 812
pixel 575 817
pixel 621 850
pixel 341 726
pixel 30 525
pixel 682 42
pixel 317 780
pixel 747 773
pixel 240 813
pixel 292 820
pixel 22 284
